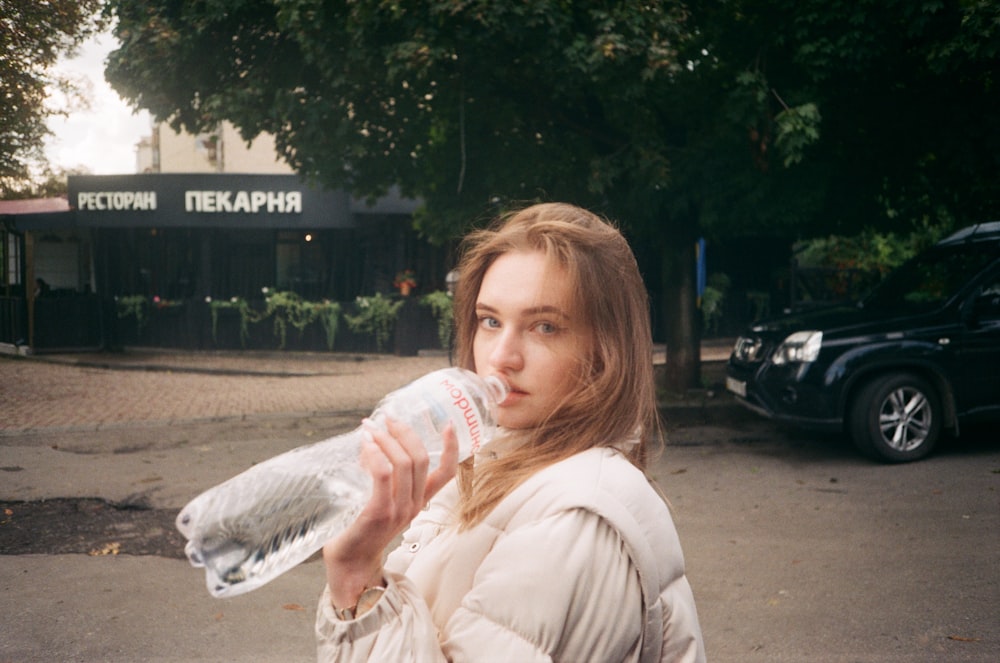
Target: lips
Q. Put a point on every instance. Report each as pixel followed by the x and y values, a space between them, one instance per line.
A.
pixel 514 396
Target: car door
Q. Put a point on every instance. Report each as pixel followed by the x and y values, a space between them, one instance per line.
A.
pixel 980 351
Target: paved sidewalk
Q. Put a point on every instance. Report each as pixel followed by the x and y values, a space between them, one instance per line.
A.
pixel 148 430
pixel 797 548
pixel 146 387
pixel 156 386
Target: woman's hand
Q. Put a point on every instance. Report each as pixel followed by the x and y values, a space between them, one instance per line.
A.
pixel 401 487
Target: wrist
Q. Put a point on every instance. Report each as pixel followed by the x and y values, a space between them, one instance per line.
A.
pixel 348 578
pixel 365 602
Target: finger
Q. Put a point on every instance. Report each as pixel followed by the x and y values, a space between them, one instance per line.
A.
pixel 380 510
pixel 416 451
pixel 372 458
pixel 396 451
pixel 449 463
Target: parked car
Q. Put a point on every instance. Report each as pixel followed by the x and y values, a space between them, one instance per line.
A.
pixel 918 356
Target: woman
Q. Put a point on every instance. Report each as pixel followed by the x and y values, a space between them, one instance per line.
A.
pixel 550 544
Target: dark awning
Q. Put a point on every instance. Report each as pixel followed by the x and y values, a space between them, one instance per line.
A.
pixel 37 213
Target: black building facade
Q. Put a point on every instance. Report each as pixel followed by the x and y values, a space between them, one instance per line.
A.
pixel 183 241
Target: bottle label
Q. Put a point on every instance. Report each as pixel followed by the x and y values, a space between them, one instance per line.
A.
pixel 470 415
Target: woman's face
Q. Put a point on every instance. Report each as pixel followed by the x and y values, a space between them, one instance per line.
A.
pixel 529 334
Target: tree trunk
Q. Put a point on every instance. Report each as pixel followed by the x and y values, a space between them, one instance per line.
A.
pixel 681 323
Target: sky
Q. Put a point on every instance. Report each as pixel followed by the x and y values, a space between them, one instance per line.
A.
pixel 101 139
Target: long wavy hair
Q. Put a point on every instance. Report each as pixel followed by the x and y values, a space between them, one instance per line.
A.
pixel 614 401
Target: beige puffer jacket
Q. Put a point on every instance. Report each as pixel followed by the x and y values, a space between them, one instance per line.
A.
pixel 580 563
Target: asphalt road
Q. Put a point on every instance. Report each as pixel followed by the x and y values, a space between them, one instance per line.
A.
pixel 797 548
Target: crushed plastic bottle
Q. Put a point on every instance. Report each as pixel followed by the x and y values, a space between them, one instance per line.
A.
pixel 252 528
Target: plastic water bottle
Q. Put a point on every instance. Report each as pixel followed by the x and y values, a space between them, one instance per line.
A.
pixel 252 528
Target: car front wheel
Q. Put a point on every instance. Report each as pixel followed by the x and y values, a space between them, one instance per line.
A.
pixel 896 418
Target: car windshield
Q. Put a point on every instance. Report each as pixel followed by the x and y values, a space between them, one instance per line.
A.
pixel 928 281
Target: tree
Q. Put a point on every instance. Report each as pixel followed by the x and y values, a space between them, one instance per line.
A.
pixel 720 117
pixel 904 89
pixel 34 34
pixel 47 183
pixel 821 117
pixel 471 106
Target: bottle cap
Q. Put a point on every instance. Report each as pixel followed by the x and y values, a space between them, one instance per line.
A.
pixel 498 388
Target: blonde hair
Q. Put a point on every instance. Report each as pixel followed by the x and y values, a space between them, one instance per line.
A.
pixel 614 402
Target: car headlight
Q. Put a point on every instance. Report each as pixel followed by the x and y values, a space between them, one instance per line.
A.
pixel 801 347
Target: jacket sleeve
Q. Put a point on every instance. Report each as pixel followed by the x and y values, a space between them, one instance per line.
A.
pixel 560 588
pixel 398 628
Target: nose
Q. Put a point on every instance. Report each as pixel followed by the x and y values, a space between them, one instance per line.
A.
pixel 506 354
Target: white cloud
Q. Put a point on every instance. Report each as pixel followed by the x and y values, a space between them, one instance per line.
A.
pixel 103 138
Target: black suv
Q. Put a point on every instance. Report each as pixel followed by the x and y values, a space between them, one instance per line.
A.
pixel 919 355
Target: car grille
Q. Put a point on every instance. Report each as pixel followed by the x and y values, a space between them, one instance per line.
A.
pixel 747 349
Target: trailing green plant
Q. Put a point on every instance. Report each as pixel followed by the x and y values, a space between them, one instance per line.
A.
pixel 442 308
pixel 235 303
pixel 329 316
pixel 284 308
pixel 375 315
pixel 133 306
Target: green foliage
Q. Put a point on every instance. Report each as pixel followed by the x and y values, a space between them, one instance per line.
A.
pixel 134 306
pixel 477 102
pixel 442 307
pixel 46 183
pixel 796 129
pixel 238 304
pixel 33 36
pixel 865 87
pixel 870 251
pixel 283 308
pixel 877 112
pixel 712 299
pixel 851 265
pixel 374 315
pixel 328 314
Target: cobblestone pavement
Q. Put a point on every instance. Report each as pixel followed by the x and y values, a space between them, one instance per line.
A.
pixel 100 390
pixel 79 391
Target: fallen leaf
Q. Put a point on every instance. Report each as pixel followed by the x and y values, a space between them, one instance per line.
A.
pixel 292 606
pixel 112 548
pixel 680 471
pixel 218 616
pixel 961 639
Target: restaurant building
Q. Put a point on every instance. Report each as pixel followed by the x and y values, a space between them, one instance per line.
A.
pixel 168 245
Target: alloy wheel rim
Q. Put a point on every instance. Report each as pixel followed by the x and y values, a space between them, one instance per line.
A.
pixel 905 419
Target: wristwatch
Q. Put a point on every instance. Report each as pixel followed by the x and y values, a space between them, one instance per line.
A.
pixel 366 602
